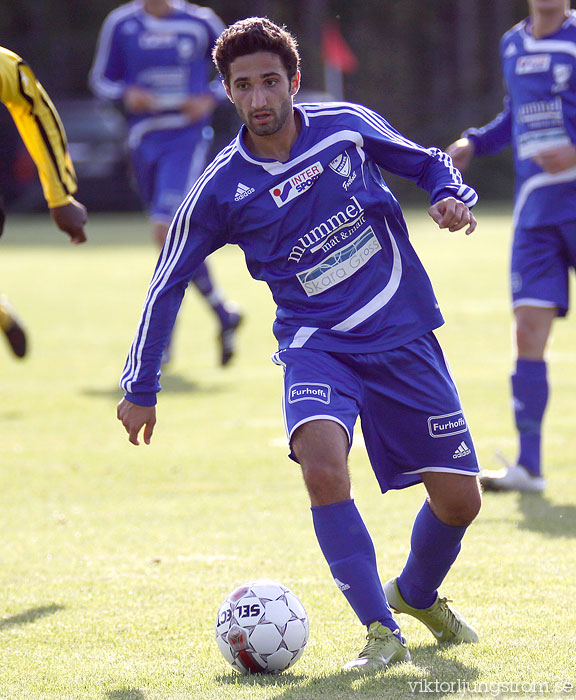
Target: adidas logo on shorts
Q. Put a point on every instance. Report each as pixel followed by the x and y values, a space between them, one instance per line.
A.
pixel 462 451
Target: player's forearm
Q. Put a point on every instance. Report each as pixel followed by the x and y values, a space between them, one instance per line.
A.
pixel 494 136
pixel 44 139
pixel 441 179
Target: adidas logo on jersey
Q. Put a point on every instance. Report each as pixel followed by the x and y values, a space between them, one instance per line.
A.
pixel 510 51
pixel 462 451
pixel 242 191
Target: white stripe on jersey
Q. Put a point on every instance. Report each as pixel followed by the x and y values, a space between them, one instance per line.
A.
pixel 198 162
pixel 277 168
pixel 536 182
pixel 165 121
pixel 369 309
pixel 382 298
pixel 367 115
pixel 171 252
pixel 100 85
pixel 302 335
pixel 465 193
pixel 549 45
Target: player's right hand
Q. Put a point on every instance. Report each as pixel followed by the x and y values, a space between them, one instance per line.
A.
pixel 71 218
pixel 134 418
pixel 138 100
pixel 461 152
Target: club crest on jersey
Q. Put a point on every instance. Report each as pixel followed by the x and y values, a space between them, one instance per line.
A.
pixel 296 184
pixel 562 73
pixel 537 63
pixel 342 164
pixel 314 392
pixel 448 424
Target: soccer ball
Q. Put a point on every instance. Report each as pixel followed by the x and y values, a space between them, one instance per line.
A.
pixel 262 627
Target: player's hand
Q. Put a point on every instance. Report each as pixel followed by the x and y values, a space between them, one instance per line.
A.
pixel 137 100
pixel 134 418
pixel 557 159
pixel 461 152
pixel 71 218
pixel 452 214
pixel 199 107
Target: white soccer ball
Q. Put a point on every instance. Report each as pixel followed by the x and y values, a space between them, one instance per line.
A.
pixel 262 627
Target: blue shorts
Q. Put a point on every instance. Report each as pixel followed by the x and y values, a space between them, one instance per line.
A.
pixel 165 166
pixel 409 408
pixel 540 266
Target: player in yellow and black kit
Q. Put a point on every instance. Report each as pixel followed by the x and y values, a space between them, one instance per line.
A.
pixel 43 134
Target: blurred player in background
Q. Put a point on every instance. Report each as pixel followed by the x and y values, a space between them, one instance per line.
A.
pixel 539 120
pixel 43 134
pixel 354 321
pixel 154 59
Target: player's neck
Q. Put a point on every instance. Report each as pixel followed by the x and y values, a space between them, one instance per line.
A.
pixel 546 23
pixel 276 146
pixel 157 8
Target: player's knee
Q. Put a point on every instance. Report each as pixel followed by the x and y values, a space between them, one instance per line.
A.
pixel 461 509
pixel 461 513
pixel 327 482
pixel 528 340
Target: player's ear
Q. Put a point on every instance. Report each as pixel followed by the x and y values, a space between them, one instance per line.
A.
pixel 295 83
pixel 228 93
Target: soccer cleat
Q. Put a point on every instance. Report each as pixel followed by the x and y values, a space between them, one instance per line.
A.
pixel 513 477
pixel 445 623
pixel 227 337
pixel 382 649
pixel 12 328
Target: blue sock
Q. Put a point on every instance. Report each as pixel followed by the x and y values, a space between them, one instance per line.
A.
pixel 434 547
pixel 530 394
pixel 348 549
pixel 202 280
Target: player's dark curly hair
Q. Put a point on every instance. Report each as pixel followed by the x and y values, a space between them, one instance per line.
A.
pixel 251 35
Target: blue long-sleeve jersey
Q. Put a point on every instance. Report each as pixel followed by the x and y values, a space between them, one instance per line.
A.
pixel 168 56
pixel 539 114
pixel 322 230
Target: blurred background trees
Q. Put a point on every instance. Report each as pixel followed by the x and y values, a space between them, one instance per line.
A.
pixel 431 67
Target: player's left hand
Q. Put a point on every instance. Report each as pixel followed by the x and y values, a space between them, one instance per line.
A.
pixel 453 214
pixel 557 159
pixel 134 417
pixel 71 218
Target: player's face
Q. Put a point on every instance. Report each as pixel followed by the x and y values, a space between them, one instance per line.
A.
pixel 262 92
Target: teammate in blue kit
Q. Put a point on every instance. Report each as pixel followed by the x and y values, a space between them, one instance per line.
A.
pixel 539 120
pixel 154 59
pixel 300 191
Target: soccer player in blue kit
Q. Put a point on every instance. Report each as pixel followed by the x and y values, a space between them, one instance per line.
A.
pixel 300 191
pixel 539 120
pixel 154 59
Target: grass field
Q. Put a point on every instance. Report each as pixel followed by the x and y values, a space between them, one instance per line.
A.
pixel 114 559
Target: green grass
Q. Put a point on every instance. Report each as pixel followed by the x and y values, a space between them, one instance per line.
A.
pixel 114 559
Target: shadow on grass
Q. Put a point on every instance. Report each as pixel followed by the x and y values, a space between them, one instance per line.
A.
pixel 29 616
pixel 126 694
pixel 171 384
pixel 547 518
pixel 429 672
